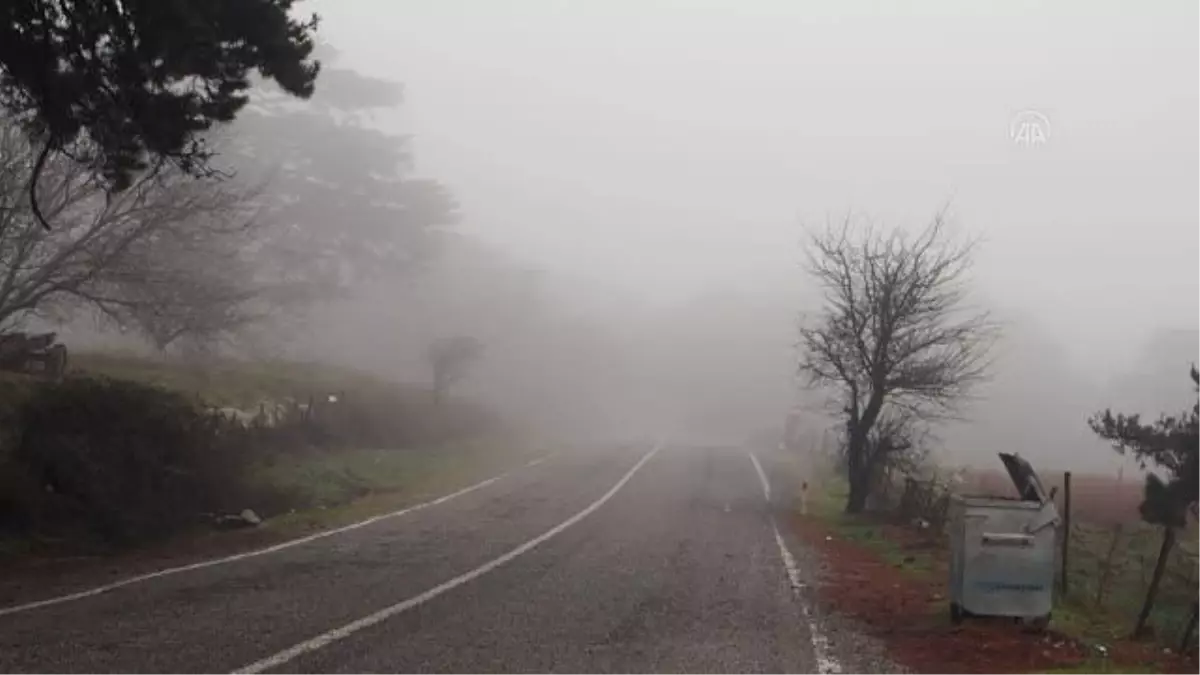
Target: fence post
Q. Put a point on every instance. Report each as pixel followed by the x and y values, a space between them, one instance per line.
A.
pixel 1066 536
pixel 1186 643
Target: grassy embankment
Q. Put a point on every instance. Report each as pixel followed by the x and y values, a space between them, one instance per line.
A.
pixel 334 483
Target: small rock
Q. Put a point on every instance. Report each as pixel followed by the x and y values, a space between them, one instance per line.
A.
pixel 828 538
pixel 247 518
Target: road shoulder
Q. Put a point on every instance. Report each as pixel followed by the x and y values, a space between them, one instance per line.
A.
pixel 29 578
pixel 851 646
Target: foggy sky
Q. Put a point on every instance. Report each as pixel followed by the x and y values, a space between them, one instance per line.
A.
pixel 674 147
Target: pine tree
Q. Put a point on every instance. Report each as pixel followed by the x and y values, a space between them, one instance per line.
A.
pixel 1170 446
pixel 126 85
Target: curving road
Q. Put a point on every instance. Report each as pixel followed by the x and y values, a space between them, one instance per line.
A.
pixel 639 559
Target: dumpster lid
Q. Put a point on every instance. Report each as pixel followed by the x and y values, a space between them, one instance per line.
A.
pixel 1024 477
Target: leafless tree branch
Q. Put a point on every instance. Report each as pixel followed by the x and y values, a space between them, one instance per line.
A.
pixel 164 256
pixel 896 340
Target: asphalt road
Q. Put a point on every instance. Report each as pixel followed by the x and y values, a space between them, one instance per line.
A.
pixel 630 560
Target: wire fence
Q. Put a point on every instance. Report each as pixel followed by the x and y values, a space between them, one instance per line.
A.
pixel 1110 569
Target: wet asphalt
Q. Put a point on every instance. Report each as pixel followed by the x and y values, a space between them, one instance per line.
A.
pixel 678 570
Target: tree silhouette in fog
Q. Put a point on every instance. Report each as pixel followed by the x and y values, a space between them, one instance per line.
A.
pixel 121 87
pixel 895 339
pixel 341 200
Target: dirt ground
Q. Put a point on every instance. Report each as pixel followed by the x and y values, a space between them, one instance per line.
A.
pixel 905 606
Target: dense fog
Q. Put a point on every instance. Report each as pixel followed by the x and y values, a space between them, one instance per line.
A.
pixel 631 184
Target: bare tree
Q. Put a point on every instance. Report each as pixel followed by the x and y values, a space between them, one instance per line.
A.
pixel 897 444
pixel 449 358
pixel 897 441
pixel 895 339
pixel 164 257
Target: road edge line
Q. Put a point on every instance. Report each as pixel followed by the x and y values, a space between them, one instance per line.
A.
pixel 827 663
pixel 106 588
pixel 329 637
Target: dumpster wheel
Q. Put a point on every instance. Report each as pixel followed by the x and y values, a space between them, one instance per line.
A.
pixel 1036 624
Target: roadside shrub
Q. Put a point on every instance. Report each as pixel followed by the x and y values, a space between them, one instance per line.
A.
pixel 124 460
pixel 19 492
pixel 394 417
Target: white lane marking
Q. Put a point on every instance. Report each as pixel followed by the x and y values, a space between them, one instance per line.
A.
pixel 327 638
pixel 14 609
pixel 822 649
pixel 762 476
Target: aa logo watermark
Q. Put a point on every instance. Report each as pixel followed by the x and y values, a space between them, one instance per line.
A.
pixel 1029 129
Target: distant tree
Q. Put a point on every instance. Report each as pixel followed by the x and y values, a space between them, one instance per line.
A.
pixel 165 257
pixel 450 358
pixel 1170 446
pixel 895 339
pixel 122 86
pixel 342 204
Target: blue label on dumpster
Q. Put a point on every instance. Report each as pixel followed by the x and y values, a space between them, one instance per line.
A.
pixel 993 586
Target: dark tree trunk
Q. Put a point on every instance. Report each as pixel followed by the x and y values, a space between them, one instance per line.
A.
pixel 859 490
pixel 859 463
pixel 859 471
pixel 1168 542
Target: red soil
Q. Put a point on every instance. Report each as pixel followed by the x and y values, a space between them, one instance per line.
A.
pixel 909 612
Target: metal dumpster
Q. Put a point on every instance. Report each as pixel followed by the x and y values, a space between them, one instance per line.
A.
pixel 1003 550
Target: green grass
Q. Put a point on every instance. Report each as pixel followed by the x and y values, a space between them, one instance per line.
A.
pixel 1079 622
pixel 828 498
pixel 1133 560
pixel 329 479
pixel 351 485
pixel 828 504
pixel 871 535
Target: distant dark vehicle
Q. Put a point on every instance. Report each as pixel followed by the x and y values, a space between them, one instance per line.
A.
pixel 34 354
